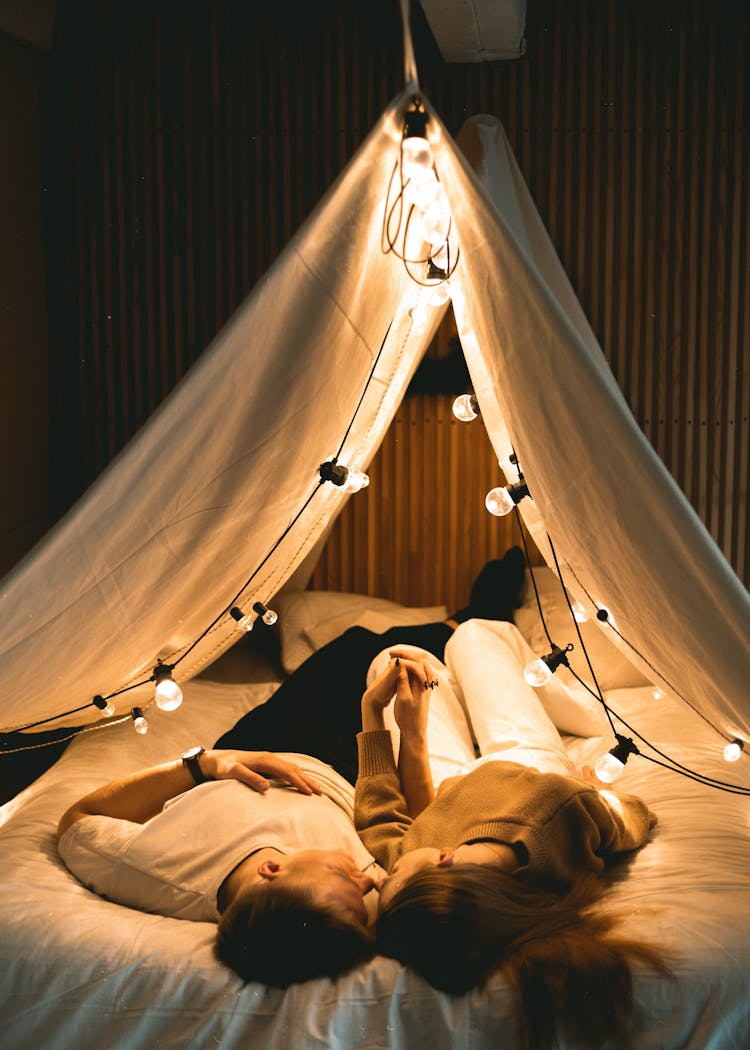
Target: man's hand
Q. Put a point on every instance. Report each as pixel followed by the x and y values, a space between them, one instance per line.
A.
pixel 254 767
pixel 379 695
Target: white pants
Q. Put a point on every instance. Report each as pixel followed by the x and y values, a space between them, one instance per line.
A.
pixel 482 698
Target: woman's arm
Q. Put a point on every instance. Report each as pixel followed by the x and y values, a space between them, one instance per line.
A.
pixel 410 680
pixel 142 795
pixel 411 710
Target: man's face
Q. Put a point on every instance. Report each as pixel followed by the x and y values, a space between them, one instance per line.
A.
pixel 333 878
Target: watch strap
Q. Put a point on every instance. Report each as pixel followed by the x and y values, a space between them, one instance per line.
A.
pixel 192 761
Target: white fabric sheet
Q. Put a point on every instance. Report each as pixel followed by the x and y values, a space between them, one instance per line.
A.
pixel 77 971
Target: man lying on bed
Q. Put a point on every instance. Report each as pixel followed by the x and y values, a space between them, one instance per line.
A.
pixel 263 842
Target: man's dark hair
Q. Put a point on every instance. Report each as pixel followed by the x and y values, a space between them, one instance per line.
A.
pixel 279 936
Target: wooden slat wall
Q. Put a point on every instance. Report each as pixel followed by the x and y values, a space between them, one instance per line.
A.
pixel 419 533
pixel 187 140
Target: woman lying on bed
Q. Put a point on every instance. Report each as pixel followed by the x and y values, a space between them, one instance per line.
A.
pixel 498 870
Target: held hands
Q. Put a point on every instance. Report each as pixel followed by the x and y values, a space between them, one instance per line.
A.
pixel 253 768
pixel 410 680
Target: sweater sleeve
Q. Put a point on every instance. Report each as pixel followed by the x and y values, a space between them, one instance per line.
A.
pixel 627 823
pixel 380 811
pixel 588 828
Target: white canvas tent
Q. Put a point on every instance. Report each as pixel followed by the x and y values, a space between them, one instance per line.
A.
pixel 217 500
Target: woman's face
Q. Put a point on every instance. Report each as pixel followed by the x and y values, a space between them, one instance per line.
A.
pixel 494 854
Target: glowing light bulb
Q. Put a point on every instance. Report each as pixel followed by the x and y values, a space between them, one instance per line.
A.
pixel 243 620
pixel 579 613
pixel 437 294
pixel 434 220
pixel 168 695
pixel 733 750
pixel 416 157
pixel 268 616
pixel 421 188
pixel 347 478
pixel 658 694
pixel 537 673
pixel 609 768
pixel 106 707
pixel 499 502
pixel 466 408
pixel 355 480
pixel 139 722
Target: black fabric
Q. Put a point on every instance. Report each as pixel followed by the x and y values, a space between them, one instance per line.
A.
pixel 496 590
pixel 316 711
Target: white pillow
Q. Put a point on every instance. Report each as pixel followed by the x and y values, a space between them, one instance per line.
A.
pixel 311 619
pixel 612 668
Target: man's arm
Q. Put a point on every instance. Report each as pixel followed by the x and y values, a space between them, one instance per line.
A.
pixel 140 796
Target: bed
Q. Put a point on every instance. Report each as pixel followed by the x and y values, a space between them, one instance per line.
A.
pixel 79 971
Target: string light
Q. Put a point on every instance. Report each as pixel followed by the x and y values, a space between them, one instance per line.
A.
pixel 604 615
pixel 539 671
pixel 434 220
pixel 139 721
pixel 418 213
pixel 348 479
pixel 105 706
pixel 416 154
pixel 168 695
pixel 611 766
pixel 733 750
pixel 658 694
pixel 244 620
pixel 466 408
pixel 268 616
pixel 501 501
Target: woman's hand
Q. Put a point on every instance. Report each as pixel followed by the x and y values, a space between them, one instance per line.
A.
pixel 413 692
pixel 254 767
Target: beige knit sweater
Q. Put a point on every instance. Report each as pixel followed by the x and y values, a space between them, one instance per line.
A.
pixel 560 827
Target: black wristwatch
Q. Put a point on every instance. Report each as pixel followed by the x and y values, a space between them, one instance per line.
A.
pixel 191 759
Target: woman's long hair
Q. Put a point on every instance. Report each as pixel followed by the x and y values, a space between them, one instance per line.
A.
pixel 457 926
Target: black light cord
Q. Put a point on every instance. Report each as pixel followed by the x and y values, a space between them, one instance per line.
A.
pixel 669 763
pixel 299 513
pixel 252 576
pixel 63 739
pixel 651 667
pixel 579 633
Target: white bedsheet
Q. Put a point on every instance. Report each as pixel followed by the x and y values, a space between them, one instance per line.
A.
pixel 80 972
